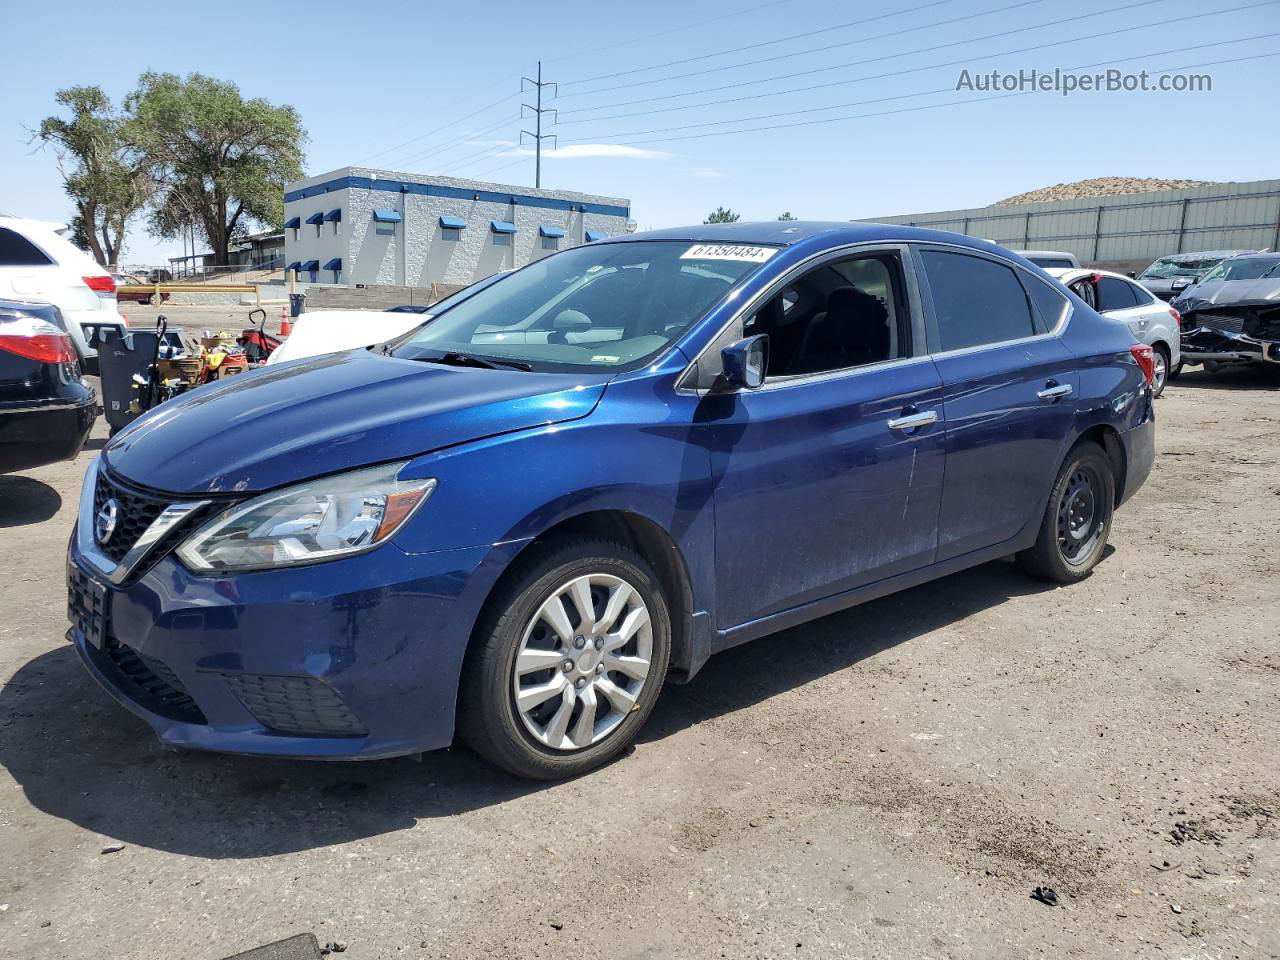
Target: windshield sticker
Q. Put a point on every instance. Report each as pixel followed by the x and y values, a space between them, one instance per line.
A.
pixel 604 359
pixel 728 251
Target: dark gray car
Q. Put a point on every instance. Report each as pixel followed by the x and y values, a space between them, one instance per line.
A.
pixel 1169 276
pixel 1233 314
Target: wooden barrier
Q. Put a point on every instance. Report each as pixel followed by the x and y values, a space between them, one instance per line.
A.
pixel 158 288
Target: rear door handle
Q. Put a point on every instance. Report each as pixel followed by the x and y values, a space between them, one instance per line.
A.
pixel 1054 392
pixel 913 421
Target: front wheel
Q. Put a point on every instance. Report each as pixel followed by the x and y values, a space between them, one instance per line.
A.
pixel 569 659
pixel 1077 520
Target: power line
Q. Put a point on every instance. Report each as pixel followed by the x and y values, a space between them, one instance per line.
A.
pixel 436 151
pixel 931 106
pixel 446 126
pixel 879 36
pixel 875 76
pixel 763 43
pixel 926 67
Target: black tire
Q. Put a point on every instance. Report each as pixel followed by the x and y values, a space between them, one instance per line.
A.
pixel 488 719
pixel 1163 351
pixel 1175 372
pixel 1085 485
pixel 151 300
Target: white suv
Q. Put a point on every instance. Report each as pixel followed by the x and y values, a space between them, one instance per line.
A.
pixel 37 264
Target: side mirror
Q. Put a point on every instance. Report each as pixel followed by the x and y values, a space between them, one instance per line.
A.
pixel 745 362
pixel 1180 284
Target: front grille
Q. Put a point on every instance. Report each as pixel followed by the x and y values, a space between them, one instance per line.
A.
pixel 301 706
pixel 1222 322
pixel 136 512
pixel 152 683
pixel 86 605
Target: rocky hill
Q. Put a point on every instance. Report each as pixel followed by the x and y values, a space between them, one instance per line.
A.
pixel 1100 187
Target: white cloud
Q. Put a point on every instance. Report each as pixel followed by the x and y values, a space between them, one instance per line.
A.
pixel 580 151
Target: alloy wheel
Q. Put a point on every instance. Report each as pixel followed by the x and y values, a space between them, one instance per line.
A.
pixel 1160 372
pixel 583 659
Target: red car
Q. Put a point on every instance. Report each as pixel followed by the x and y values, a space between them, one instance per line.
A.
pixel 134 296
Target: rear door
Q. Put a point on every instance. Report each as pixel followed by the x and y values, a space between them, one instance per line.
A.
pixel 828 476
pixel 1008 387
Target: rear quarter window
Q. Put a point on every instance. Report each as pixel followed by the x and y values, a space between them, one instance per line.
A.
pixel 975 301
pixel 17 251
pixel 1115 294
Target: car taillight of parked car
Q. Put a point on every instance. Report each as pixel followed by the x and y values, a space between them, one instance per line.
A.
pixel 1146 360
pixel 103 285
pixel 35 340
pixel 1177 317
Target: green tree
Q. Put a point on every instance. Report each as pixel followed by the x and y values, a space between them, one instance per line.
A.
pixel 100 176
pixel 786 215
pixel 217 160
pixel 722 215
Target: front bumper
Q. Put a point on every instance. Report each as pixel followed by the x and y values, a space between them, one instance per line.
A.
pixel 1210 345
pixel 351 659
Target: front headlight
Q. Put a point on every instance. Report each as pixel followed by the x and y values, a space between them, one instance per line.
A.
pixel 313 521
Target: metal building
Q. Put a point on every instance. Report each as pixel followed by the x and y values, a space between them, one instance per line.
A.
pixel 1130 229
pixel 358 225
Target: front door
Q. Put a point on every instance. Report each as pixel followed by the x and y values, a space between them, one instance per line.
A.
pixel 828 476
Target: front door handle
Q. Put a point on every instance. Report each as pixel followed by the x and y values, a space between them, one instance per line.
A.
pixel 913 421
pixel 1053 391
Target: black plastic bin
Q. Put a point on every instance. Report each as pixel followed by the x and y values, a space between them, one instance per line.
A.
pixel 119 360
pixel 297 304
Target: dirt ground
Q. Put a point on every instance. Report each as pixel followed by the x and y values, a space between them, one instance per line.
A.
pixel 892 781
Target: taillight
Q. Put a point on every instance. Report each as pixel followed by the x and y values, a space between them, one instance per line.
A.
pixel 103 284
pixel 1146 360
pixel 1177 317
pixel 35 340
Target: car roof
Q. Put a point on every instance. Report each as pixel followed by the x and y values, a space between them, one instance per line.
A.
pixel 1256 256
pixel 1222 254
pixel 789 232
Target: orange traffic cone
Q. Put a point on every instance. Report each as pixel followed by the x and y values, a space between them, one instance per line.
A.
pixel 286 325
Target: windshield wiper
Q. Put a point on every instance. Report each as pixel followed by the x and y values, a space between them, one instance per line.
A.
pixel 455 359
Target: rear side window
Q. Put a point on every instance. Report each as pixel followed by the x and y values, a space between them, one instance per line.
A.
pixel 1140 295
pixel 1050 304
pixel 17 251
pixel 976 301
pixel 1115 294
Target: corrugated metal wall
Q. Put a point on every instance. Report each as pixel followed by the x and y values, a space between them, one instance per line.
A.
pixel 1131 226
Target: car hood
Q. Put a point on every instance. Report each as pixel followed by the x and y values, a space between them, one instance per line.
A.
pixel 1228 293
pixel 306 419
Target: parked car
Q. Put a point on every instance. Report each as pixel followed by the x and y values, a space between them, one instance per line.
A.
pixel 327 331
pixel 586 479
pixel 1150 319
pixel 1050 259
pixel 1232 316
pixel 1169 276
pixel 36 264
pixel 135 296
pixel 46 409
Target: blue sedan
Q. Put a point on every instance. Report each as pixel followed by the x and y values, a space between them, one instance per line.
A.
pixel 516 523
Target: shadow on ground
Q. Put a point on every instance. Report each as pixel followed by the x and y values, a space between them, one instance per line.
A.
pixel 80 757
pixel 1252 376
pixel 24 500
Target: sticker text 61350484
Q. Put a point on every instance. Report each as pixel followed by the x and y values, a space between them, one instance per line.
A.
pixel 728 251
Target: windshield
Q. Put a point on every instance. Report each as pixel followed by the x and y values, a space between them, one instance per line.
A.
pixel 599 307
pixel 1245 268
pixel 1168 268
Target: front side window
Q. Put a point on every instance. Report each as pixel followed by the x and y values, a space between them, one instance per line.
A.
pixel 843 314
pixel 976 301
pixel 599 307
pixel 17 251
pixel 1114 294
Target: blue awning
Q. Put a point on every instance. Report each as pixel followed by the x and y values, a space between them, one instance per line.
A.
pixel 334 264
pixel 333 216
pixel 293 223
pixel 596 235
pixel 296 265
pixel 502 226
pixel 311 265
pixel 547 230
pixel 317 217
pixel 386 216
pixel 453 223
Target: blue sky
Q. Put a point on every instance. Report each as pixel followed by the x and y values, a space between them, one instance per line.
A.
pixel 367 80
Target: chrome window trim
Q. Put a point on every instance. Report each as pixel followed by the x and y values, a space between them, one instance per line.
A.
pixel 994 256
pixel 899 247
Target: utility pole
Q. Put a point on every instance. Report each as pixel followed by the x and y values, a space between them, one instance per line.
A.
pixel 538 110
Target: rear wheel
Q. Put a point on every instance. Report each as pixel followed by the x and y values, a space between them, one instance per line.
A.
pixel 1077 519
pixel 1176 371
pixel 1160 373
pixel 571 655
